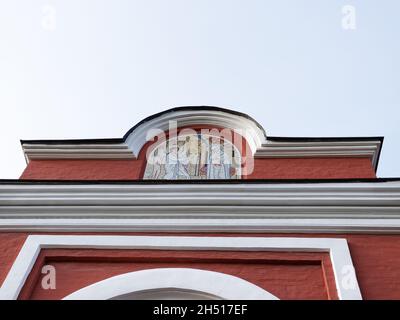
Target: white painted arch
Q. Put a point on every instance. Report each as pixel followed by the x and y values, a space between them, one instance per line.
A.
pixel 195 282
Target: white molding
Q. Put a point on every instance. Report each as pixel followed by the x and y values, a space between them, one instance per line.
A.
pixel 138 137
pixel 248 128
pixel 322 207
pixel 324 149
pixel 77 151
pixel 260 147
pixel 219 285
pixel 337 248
pixel 197 194
pixel 356 149
pixel 285 225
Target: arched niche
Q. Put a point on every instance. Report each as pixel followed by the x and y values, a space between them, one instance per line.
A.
pixel 193 156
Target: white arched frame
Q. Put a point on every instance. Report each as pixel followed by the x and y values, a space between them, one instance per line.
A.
pixel 213 284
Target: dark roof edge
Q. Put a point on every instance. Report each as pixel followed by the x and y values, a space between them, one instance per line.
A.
pixel 155 182
pixel 277 139
pixel 74 141
pixel 324 139
pixel 379 154
pixel 121 140
pixel 188 108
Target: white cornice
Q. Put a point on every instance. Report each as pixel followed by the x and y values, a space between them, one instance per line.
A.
pixel 283 225
pixel 322 207
pixel 260 147
pixel 367 149
pixel 77 151
pixel 251 131
pixel 139 136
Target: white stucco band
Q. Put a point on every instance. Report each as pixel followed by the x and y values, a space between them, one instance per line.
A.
pixel 367 207
pixel 345 278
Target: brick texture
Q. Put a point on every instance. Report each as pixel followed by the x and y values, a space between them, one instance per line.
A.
pixel 314 168
pixel 83 170
pixel 375 258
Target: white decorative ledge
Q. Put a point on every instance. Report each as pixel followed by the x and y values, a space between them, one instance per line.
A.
pixel 130 146
pixel 242 207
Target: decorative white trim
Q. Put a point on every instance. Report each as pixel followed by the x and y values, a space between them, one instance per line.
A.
pixel 139 136
pixel 261 194
pixel 77 151
pixel 242 207
pixel 324 149
pixel 367 149
pixel 248 128
pixel 220 285
pixel 345 278
pixel 349 226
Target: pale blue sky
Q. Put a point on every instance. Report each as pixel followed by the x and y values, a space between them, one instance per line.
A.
pixel 108 64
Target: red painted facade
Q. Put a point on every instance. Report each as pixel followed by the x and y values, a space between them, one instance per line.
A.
pixel 293 168
pixel 83 170
pixel 77 268
pixel 290 275
pixel 313 168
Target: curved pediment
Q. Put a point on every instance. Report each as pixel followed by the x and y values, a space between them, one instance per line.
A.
pixel 129 146
pixel 214 117
pixel 133 141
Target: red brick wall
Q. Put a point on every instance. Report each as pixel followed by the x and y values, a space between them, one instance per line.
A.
pixel 131 169
pixel 306 168
pixel 286 275
pixel 313 168
pixel 376 259
pixel 83 170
